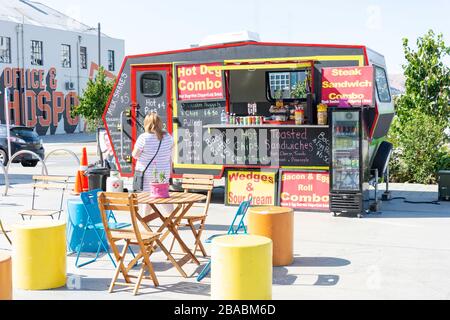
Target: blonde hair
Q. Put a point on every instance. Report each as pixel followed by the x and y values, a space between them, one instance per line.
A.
pixel 153 124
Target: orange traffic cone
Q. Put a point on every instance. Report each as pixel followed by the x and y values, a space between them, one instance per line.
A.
pixel 78 184
pixel 83 169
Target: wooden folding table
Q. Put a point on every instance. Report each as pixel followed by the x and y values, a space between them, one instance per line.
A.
pixel 183 203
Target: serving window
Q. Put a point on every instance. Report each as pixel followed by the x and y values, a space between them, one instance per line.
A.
pixel 288 85
pixel 152 84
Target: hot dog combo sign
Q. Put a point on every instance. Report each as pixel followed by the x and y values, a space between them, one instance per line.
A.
pixel 197 82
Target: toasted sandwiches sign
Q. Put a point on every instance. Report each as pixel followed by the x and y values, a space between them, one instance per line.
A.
pixel 351 84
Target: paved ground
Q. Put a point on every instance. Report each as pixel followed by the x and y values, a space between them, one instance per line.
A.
pixel 403 253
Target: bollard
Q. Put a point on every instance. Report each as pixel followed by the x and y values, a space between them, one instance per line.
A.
pixel 39 254
pixel 5 277
pixel 276 223
pixel 241 268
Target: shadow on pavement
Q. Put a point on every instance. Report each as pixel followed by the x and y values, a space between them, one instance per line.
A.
pixel 419 204
pixel 10 205
pixel 77 283
pixel 15 179
pixel 282 277
pixel 319 262
pixel 413 214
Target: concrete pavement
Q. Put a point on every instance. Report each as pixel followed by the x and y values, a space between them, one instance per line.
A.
pixel 403 253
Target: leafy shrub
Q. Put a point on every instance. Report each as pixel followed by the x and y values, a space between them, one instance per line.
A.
pixel 419 149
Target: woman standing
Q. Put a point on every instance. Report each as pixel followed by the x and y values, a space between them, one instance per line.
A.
pixel 154 141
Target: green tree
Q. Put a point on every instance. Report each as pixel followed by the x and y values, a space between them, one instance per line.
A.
pixel 422 113
pixel 94 99
pixel 427 79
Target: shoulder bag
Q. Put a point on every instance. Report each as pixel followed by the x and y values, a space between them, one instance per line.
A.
pixel 138 180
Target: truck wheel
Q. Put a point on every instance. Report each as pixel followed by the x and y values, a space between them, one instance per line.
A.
pixel 3 157
pixel 30 163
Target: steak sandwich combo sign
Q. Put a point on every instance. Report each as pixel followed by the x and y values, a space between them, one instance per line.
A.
pixel 354 85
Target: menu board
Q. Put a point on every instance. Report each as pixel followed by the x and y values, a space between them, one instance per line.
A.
pixel 302 146
pixel 119 125
pixel 192 138
pixel 305 190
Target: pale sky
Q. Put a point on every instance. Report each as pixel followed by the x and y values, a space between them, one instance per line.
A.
pixel 151 26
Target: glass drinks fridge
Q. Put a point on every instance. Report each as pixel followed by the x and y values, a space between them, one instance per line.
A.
pixel 349 153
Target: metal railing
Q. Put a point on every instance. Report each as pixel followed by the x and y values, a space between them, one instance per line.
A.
pixel 5 173
pixel 65 151
pixel 44 166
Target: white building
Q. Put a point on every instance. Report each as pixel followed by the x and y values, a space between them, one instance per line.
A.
pixel 48 57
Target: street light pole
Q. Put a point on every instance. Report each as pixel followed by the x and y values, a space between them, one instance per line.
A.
pixel 99 45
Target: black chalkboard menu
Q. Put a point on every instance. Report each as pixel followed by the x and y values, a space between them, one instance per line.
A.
pixel 119 123
pixel 304 147
pixel 192 137
pixel 287 147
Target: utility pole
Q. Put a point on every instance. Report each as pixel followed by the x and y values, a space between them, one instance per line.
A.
pixel 8 124
pixel 99 45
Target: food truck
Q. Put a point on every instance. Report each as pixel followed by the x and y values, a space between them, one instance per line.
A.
pixel 257 114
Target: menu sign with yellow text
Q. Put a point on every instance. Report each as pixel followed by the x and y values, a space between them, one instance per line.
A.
pixel 243 185
pixel 196 82
pixel 353 84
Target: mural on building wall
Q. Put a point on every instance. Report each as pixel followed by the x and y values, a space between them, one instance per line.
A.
pixel 94 70
pixel 45 104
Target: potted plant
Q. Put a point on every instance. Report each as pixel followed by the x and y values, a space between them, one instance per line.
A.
pixel 159 187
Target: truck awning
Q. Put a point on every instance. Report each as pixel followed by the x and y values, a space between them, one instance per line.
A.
pixel 262 66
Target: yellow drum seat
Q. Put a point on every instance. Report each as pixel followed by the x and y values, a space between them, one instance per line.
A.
pixel 241 268
pixel 39 255
pixel 276 223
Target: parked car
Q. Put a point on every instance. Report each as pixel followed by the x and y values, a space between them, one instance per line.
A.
pixel 22 138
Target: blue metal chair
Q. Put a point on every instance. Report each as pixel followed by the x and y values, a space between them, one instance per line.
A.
pixel 94 223
pixel 235 229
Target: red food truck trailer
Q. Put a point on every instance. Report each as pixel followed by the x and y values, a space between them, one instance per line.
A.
pixel 252 112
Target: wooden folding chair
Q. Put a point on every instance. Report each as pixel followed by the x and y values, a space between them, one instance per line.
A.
pixel 197 182
pixel 5 232
pixel 47 183
pixel 144 239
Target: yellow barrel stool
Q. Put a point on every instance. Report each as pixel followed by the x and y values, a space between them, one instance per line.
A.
pixel 241 268
pixel 39 255
pixel 276 223
pixel 5 277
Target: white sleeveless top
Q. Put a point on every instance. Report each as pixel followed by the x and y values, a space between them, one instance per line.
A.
pixel 148 144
